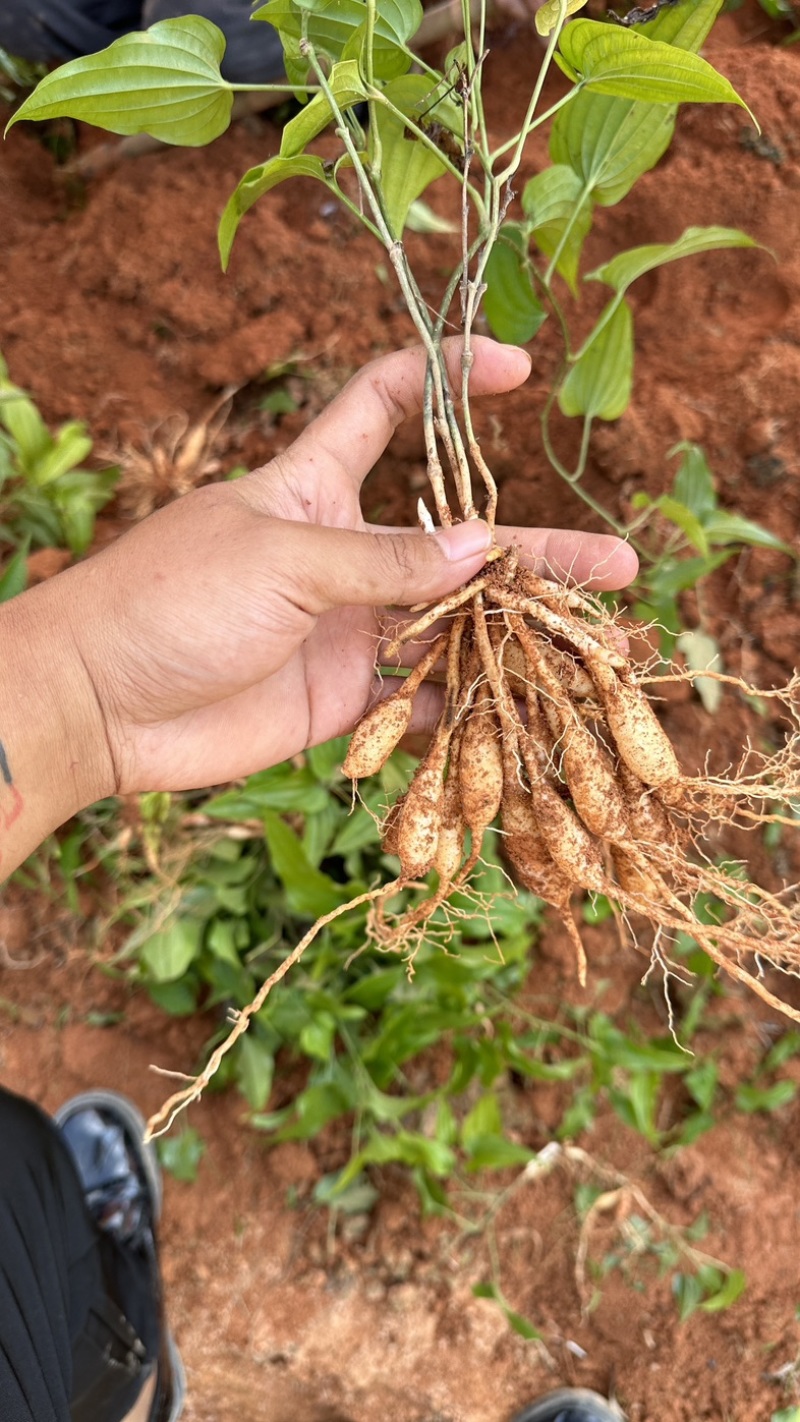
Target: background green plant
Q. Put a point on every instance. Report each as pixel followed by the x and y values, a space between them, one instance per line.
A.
pixel 46 498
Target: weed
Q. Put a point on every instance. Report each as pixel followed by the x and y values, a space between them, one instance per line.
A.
pixel 46 498
pixel 691 537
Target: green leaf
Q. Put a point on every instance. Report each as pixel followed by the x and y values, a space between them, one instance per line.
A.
pixel 316 1106
pixel 559 212
pixel 599 383
pixel 484 1119
pixel 331 24
pixel 325 760
pixel 14 577
pixel 347 88
pixel 316 1038
pixel 723 528
pixel 521 1325
pixel 69 448
pixel 408 166
pixel 618 62
pixel 24 423
pixel 222 941
pixel 611 142
pixel 254 1067
pixel 701 1081
pixel 751 1098
pixel 164 81
pixel 688 1293
pixel 685 520
pixel 168 953
pixel 357 1199
pixel 179 999
pixel 693 485
pixel 733 1287
pixel 309 892
pixel 180 1155
pixel 548 16
pixel 624 269
pixel 512 308
pixel 254 184
pixel 496 1152
pixel 282 787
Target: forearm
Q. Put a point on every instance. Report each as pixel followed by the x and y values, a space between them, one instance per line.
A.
pixel 50 762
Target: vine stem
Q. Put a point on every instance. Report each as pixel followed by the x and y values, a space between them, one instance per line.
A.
pixel 411 294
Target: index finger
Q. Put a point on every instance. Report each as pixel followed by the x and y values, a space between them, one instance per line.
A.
pixel 345 441
pixel 592 560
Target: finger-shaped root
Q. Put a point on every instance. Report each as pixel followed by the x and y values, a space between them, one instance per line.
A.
pixel 640 738
pixel 380 731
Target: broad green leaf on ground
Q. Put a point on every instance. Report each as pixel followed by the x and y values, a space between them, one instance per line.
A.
pixel 408 166
pixel 611 142
pixel 164 81
pixel 510 304
pixel 21 418
pixel 168 953
pixel 309 892
pixel 598 385
pixel 330 26
pixel 559 212
pixel 616 61
pixel 732 1287
pixel 548 16
pixel 282 787
pixel 254 1069
pixel 181 1154
pixel 347 88
pixel 254 184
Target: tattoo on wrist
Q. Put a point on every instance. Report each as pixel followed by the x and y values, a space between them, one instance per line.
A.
pixel 11 802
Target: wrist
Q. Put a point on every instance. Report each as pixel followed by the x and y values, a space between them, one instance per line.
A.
pixel 55 755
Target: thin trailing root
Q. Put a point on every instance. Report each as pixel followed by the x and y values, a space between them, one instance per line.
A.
pixel 163 1119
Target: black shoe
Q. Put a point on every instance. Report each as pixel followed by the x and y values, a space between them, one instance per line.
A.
pixel 570 1404
pixel 122 1186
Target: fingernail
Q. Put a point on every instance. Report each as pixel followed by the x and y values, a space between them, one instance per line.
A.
pixel 465 540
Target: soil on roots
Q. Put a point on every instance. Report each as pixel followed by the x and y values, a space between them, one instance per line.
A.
pixel 114 311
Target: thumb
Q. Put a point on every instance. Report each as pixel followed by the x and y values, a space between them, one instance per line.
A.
pixel 333 567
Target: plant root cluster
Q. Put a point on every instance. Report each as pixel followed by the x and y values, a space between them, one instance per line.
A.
pixel 547 727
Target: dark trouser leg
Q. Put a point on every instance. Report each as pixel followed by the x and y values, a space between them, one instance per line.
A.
pixel 46 31
pixel 50 31
pixel 253 51
pixel 64 1345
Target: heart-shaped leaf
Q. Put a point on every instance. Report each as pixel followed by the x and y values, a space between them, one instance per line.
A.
pixel 164 81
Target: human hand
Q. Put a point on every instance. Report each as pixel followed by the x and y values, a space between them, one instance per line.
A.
pixel 243 623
